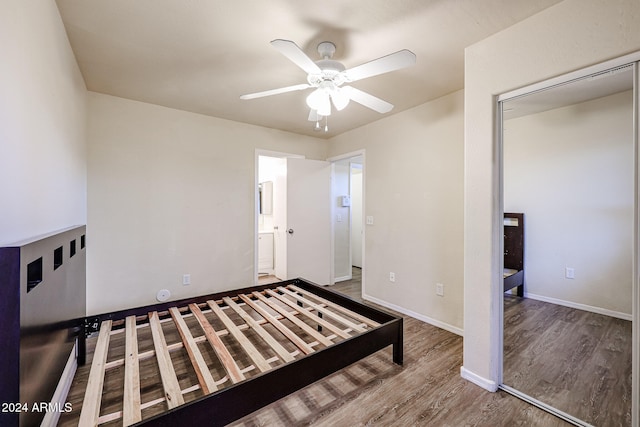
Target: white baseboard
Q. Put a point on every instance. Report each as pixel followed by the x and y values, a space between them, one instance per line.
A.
pixel 341 279
pixel 434 322
pixel 62 390
pixel 598 310
pixel 486 384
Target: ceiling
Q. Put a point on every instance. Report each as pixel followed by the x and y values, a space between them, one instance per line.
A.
pixel 201 55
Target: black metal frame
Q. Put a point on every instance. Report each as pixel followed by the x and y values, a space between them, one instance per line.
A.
pixel 236 401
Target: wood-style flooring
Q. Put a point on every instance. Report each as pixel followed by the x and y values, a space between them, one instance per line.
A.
pixel 574 360
pixel 426 391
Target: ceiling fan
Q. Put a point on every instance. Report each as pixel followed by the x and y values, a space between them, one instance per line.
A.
pixel 328 78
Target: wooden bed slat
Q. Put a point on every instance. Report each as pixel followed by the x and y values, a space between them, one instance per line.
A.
pixel 248 347
pixel 266 336
pixel 337 307
pixel 223 354
pixel 205 379
pixel 167 373
pixel 299 323
pixel 93 396
pixel 291 309
pixel 131 412
pixel 333 328
pixel 291 336
pixel 323 310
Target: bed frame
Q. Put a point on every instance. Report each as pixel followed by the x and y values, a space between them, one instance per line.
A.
pixel 513 276
pixel 332 332
pixel 42 310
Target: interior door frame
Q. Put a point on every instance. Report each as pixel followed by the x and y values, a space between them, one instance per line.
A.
pixel 497 295
pixel 256 199
pixel 345 156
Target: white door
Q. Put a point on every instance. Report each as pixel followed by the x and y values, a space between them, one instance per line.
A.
pixel 308 230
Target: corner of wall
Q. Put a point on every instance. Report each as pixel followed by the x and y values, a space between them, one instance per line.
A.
pixel 478 380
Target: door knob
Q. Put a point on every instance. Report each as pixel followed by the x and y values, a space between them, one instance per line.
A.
pixel 290 231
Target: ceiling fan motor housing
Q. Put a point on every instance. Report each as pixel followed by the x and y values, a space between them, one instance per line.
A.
pixel 326 50
pixel 330 71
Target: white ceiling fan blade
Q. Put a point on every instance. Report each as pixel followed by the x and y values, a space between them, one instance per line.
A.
pixel 296 55
pixel 395 61
pixel 276 91
pixel 368 100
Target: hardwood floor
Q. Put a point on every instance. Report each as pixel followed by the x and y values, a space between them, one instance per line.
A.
pixel 577 361
pixel 426 391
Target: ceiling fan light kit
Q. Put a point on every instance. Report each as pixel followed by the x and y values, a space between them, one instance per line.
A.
pixel 327 76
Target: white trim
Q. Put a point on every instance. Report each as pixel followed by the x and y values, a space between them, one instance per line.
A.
pixel 496 356
pixel 486 384
pixel 569 77
pixel 342 279
pixel 332 226
pixel 62 390
pixel 425 319
pixel 535 402
pixel 592 309
pixel 358 153
pixel 635 310
pixel 345 156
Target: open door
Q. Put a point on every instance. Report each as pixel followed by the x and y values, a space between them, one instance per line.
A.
pixel 308 220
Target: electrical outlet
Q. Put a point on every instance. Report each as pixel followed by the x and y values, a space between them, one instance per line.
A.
pixel 186 279
pixel 392 277
pixel 440 289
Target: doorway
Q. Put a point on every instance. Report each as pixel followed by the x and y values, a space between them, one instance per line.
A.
pixel 292 227
pixel 271 248
pixel 347 217
pixel 571 167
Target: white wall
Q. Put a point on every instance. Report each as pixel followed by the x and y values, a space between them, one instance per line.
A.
pixel 169 193
pixel 413 189
pixel 566 37
pixel 570 170
pixel 42 124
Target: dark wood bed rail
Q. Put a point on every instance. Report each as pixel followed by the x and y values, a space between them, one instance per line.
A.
pixel 237 401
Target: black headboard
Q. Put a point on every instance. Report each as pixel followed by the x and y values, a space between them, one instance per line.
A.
pixel 42 299
pixel 514 241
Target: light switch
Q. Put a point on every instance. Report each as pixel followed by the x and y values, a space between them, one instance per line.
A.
pixel 339 219
pixel 369 220
pixel 570 273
